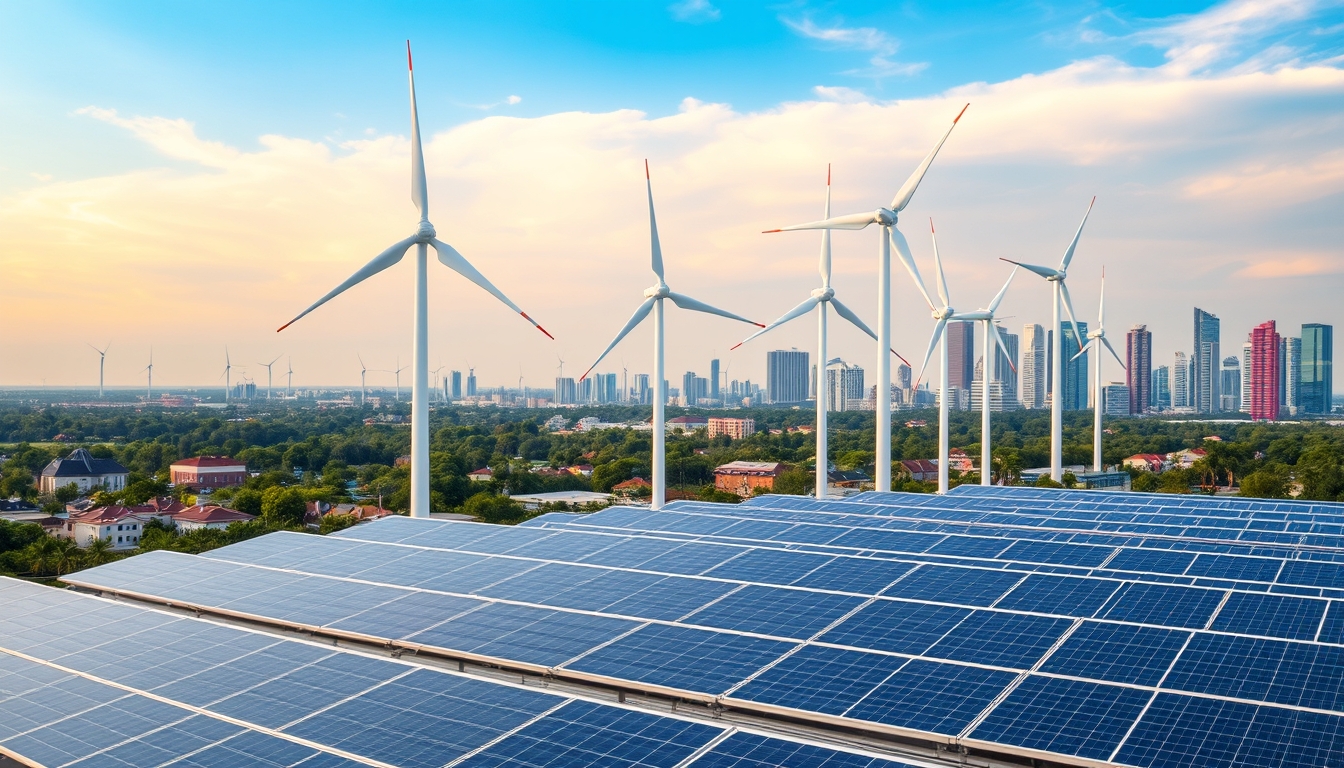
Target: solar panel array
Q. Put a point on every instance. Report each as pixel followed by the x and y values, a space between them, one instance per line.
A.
pixel 1079 627
pixel 92 683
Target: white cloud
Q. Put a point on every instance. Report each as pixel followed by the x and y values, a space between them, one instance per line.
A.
pixel 879 43
pixel 694 11
pixel 840 93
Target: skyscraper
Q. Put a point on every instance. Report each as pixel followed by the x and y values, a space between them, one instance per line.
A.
pixel 714 379
pixel 565 391
pixel 960 354
pixel 471 382
pixel 1076 387
pixel 1034 371
pixel 1290 364
pixel 1230 387
pixel 1205 362
pixel 844 384
pixel 1005 367
pixel 457 385
pixel 786 376
pixel 1316 386
pixel 1246 376
pixel 642 391
pixel 608 388
pixel 1138 367
pixel 1265 372
pixel 1160 398
pixel 903 376
pixel 1180 385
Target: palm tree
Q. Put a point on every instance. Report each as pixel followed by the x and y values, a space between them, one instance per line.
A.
pixel 99 552
pixel 41 555
pixel 66 557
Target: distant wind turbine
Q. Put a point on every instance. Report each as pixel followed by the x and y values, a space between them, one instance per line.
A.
pixel 1060 293
pixel 289 377
pixel 423 239
pixel 228 370
pixel 1095 340
pixel 149 369
pixel 886 218
pixel 102 358
pixel 397 373
pixel 363 388
pixel 653 302
pixel 267 366
pixel 820 299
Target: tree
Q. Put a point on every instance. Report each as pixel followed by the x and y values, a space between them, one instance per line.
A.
pixel 67 493
pixel 490 508
pixel 247 501
pixel 1045 481
pixel 283 507
pixel 333 523
pixel 1271 482
pixel 1145 482
pixel 1319 472
pixel 99 552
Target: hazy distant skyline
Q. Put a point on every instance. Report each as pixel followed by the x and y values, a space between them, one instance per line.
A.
pixel 191 180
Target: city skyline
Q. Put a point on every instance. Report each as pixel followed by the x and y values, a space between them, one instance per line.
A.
pixel 92 158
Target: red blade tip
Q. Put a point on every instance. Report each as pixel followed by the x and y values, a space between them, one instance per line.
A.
pixel 828 174
pixel 408 56
pixel 771 231
pixel 931 229
pixel 646 169
pixel 735 346
pixel 959 114
pixel 283 327
pixel 759 325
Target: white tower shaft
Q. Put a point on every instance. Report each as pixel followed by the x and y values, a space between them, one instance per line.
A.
pixel 659 411
pixel 823 384
pixel 420 390
pixel 986 457
pixel 1056 392
pixel 882 464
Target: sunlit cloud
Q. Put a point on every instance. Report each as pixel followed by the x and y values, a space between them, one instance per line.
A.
pixel 869 39
pixel 694 11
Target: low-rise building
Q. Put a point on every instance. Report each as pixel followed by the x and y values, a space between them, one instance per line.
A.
pixel 847 478
pixel 922 470
pixel 737 429
pixel 481 475
pixel 744 477
pixel 121 526
pixel 532 501
pixel 635 486
pixel 686 423
pixel 1186 458
pixel 207 472
pixel 958 460
pixel 1147 462
pixel 209 516
pixel 85 471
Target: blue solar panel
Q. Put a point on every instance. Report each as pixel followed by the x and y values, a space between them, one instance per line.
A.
pixel 747 750
pixel 965 586
pixel 1181 731
pixel 775 611
pixel 896 626
pixel 163 745
pixel 932 697
pixel 1062 595
pixel 1151 561
pixel 1001 639
pixel 969 546
pixel 769 566
pixel 1058 554
pixel 523 633
pixel 1234 567
pixel 1295 618
pixel 854 574
pixel 820 679
pixel 1070 717
pixel 1314 574
pixel 1169 606
pixel 406 615
pixel 1117 652
pixel 680 657
pixel 1332 628
pixel 670 598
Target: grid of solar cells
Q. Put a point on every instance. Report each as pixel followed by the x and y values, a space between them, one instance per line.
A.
pixel 247 698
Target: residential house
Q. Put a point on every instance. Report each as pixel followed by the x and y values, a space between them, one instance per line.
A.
pixel 85 471
pixel 207 472
pixel 687 423
pixel 744 477
pixel 481 475
pixel 1186 458
pixel 122 526
pixel 209 516
pixel 1146 462
pixel 635 486
pixel 922 470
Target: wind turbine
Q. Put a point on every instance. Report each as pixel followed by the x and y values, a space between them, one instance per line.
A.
pixel 289 377
pixel 653 302
pixel 267 366
pixel 886 218
pixel 434 389
pixel 228 369
pixel 1060 291
pixel 820 298
pixel 363 389
pixel 1095 340
pixel 397 373
pixel 102 358
pixel 423 239
pixel 992 342
pixel 149 386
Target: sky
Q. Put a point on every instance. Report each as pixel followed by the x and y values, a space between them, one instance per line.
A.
pixel 188 177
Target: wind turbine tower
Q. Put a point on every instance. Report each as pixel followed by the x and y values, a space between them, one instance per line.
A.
pixel 149 369
pixel 102 358
pixel 228 371
pixel 267 366
pixel 289 377
pixel 1096 339
pixel 424 238
pixel 886 219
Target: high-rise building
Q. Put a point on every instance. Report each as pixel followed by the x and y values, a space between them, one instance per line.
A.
pixel 1230 386
pixel 1034 371
pixel 1006 365
pixel 694 389
pixel 1075 389
pixel 1161 392
pixel 1265 372
pixel 1138 368
pixel 586 392
pixel 1246 376
pixel 456 393
pixel 714 379
pixel 1290 365
pixel 471 382
pixel 565 391
pixel 960 353
pixel 608 388
pixel 904 376
pixel 1316 381
pixel 1205 362
pixel 1180 383
pixel 786 375
pixel 643 393
pixel 1116 399
pixel 844 386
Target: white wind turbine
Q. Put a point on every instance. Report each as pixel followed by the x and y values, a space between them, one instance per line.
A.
pixel 423 239
pixel 653 302
pixel 945 314
pixel 433 389
pixel 397 373
pixel 289 377
pixel 886 218
pixel 1060 291
pixel 1096 339
pixel 267 366
pixel 820 298
pixel 102 358
pixel 228 370
pixel 363 388
pixel 149 369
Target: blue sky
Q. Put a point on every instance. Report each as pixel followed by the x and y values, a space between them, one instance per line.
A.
pixel 232 159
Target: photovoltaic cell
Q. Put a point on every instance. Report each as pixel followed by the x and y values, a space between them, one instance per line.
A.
pixel 932 697
pixel 820 679
pixel 969 546
pixel 1151 561
pixel 769 566
pixel 1000 639
pixel 522 633
pixel 1157 604
pixel 773 611
pixel 1064 595
pixel 1117 652
pixel 964 586
pixel 1234 567
pixel 680 657
pixel 1070 717
pixel 864 576
pixel 1332 629
pixel 896 626
pixel 1251 613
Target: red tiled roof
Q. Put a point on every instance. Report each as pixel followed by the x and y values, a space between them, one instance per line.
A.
pixel 208 461
pixel 105 514
pixel 634 482
pixel 212 514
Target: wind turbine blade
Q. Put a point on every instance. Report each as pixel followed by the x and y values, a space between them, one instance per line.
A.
pixel 1068 254
pixel 450 258
pixel 1068 305
pixel 1114 354
pixel 1101 310
pixel 848 314
pixel 419 191
pixel 686 302
pixel 825 266
pixel 798 311
pixel 1045 272
pixel 655 247
pixel 994 329
pixel 994 305
pixel 635 319
pixel 1081 352
pixel 380 262
pixel 938 262
pixel 848 221
pixel 907 190
pixel 903 252
pixel 933 344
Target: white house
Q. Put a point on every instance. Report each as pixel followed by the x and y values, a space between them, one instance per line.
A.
pixel 123 526
pixel 85 471
pixel 210 516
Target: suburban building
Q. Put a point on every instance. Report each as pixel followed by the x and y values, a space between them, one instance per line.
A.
pixel 122 526
pixel 744 477
pixel 635 486
pixel 533 501
pixel 922 470
pixel 209 516
pixel 686 423
pixel 737 429
pixel 208 472
pixel 481 475
pixel 85 471
pixel 1265 363
pixel 1147 462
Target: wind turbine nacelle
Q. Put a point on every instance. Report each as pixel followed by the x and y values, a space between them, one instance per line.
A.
pixel 657 292
pixel 885 216
pixel 825 294
pixel 425 232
